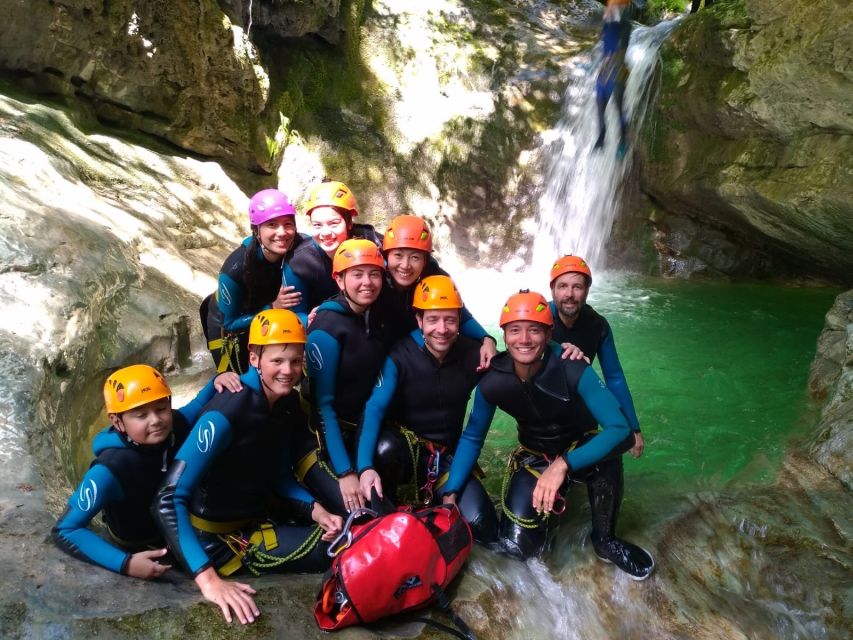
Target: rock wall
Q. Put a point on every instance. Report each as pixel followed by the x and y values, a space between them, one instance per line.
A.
pixel 183 71
pixel 831 380
pixel 747 160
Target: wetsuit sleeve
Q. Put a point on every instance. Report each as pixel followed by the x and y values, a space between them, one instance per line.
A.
pixel 289 278
pixel 324 353
pixel 615 380
pixel 286 485
pixel 605 409
pixel 210 436
pixel 374 413
pixel 98 488
pixel 192 410
pixel 470 443
pixel 470 328
pixel 230 302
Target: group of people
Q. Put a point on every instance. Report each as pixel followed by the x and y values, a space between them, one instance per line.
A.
pixel 258 472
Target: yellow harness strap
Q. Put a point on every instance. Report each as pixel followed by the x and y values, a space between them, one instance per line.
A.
pixel 304 465
pixel 211 526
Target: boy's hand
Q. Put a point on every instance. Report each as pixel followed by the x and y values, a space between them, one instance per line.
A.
pixel 144 565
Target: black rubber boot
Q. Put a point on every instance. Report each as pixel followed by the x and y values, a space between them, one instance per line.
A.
pixel 633 560
pixel 604 487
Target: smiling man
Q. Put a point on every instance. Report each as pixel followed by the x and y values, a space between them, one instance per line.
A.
pixel 578 324
pixel 422 394
pixel 548 397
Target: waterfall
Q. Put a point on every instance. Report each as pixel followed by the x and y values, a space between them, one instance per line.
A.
pixel 582 186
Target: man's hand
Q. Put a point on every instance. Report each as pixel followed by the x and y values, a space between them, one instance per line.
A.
pixel 572 352
pixel 639 445
pixel 548 486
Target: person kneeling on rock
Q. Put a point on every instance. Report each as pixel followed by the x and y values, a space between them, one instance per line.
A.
pixel 131 457
pixel 558 444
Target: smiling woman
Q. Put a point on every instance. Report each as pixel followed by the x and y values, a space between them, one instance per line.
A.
pixel 250 279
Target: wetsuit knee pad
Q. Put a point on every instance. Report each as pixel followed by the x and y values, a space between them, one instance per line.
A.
pixel 522 542
pixel 477 508
pixel 392 457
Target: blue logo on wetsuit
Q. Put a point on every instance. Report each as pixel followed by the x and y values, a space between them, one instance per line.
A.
pixel 205 437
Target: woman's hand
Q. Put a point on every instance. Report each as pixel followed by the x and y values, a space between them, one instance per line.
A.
pixel 351 492
pixel 369 480
pixel 287 297
pixel 328 522
pixel 230 596
pixel 228 380
pixel 548 486
pixel 144 564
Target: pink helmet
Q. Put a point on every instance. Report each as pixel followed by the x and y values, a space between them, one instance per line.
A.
pixel 268 204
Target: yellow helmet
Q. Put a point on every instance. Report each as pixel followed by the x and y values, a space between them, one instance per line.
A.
pixel 133 387
pixel 331 194
pixel 436 292
pixel 276 326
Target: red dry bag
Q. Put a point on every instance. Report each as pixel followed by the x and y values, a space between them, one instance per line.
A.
pixel 393 563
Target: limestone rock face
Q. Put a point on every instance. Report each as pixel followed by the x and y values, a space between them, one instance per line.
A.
pixel 752 140
pixel 831 378
pixel 179 70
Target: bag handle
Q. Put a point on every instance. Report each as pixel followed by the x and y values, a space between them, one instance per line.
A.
pixel 344 539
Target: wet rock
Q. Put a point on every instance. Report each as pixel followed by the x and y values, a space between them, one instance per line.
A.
pixel 831 378
pixel 750 141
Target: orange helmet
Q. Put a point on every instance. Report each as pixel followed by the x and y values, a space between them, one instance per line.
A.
pixel 276 326
pixel 407 232
pixel 356 252
pixel 570 264
pixel 133 387
pixel 436 292
pixel 331 194
pixel 527 305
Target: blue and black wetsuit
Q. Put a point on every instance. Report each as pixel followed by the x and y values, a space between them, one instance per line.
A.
pixel 309 270
pixel 121 484
pixel 613 73
pixel 549 411
pixel 345 352
pixel 592 334
pixel 423 401
pixel 239 298
pixel 214 504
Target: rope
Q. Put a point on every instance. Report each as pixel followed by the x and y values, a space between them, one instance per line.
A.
pixel 257 561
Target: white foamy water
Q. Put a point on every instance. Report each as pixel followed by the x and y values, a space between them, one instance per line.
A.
pixel 583 186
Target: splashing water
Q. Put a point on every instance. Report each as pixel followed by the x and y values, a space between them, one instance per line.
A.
pixel 583 186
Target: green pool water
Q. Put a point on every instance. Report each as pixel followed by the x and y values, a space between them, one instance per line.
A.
pixel 718 373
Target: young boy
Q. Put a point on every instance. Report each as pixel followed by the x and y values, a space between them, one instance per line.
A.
pixel 131 458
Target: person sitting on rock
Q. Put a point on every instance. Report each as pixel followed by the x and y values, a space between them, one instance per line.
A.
pixel 613 72
pixel 130 461
pixel 330 207
pixel 347 344
pixel 407 247
pixel 215 505
pixel 425 384
pixel 250 280
pixel 546 395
